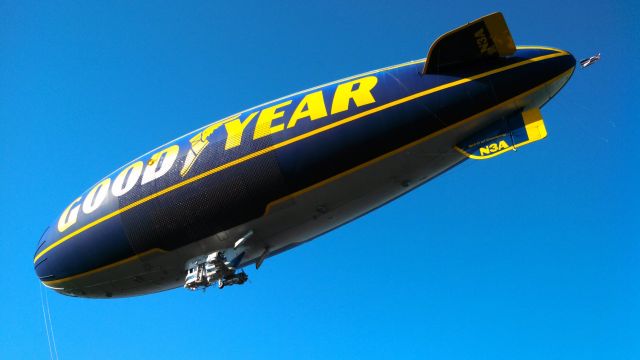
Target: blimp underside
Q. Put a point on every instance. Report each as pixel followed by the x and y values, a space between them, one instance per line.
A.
pixel 262 181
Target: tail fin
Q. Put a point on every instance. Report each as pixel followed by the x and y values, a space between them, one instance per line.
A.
pixel 483 38
pixel 504 135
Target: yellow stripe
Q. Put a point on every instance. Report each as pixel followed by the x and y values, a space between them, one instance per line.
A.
pixel 288 142
pixel 338 176
pixel 102 268
pixel 535 47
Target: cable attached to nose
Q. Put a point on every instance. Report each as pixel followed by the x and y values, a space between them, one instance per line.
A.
pixel 44 300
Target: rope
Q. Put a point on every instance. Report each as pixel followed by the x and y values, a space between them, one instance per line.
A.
pixel 46 325
pixel 53 338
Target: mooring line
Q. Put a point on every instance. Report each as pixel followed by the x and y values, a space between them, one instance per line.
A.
pixel 46 326
pixel 53 337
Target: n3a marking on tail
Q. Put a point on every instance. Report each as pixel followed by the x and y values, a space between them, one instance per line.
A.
pixel 494 148
pixel 504 135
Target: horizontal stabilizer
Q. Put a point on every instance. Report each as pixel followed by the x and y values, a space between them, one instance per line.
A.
pixel 484 38
pixel 506 134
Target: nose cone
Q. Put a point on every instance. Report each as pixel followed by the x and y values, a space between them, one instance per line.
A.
pixel 38 261
pixel 572 59
pixel 568 61
pixel 561 65
pixel 42 261
pixel 88 263
pixel 534 75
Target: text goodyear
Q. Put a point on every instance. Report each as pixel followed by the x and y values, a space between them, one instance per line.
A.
pixel 267 121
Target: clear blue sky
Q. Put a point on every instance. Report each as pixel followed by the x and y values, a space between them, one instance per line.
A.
pixel 532 255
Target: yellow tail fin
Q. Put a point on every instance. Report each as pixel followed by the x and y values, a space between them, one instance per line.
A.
pixel 504 135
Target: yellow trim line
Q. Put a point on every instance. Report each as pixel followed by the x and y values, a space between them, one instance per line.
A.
pixel 294 140
pixel 105 267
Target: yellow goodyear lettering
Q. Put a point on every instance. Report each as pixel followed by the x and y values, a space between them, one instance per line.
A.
pixel 312 106
pixel 235 128
pixel 273 119
pixel 358 90
pixel 198 143
pixel 264 125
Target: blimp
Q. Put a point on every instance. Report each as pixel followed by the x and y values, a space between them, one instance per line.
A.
pixel 198 210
